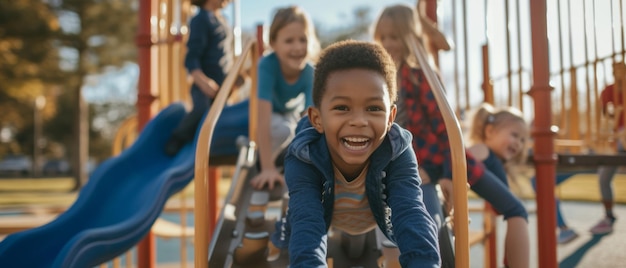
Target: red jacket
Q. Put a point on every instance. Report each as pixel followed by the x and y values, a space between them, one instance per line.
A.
pixel 608 96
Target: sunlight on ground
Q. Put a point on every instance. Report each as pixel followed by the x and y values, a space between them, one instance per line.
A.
pixel 57 191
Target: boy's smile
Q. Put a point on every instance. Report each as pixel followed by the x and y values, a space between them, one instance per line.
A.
pixel 355 114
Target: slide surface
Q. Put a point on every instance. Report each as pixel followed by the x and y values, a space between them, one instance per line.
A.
pixel 122 199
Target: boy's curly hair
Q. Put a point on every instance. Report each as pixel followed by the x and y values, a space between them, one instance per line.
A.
pixel 351 54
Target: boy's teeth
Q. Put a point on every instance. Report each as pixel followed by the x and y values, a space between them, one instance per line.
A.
pixel 356 139
pixel 354 147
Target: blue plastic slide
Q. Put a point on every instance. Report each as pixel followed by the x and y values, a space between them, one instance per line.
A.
pixel 122 199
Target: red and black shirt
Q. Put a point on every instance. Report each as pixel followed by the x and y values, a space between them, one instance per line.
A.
pixel 418 112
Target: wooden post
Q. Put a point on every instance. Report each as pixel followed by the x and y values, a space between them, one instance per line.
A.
pixel 146 248
pixel 544 158
pixel 489 224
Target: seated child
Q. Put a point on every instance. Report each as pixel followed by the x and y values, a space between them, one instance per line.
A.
pixel 498 138
pixel 349 154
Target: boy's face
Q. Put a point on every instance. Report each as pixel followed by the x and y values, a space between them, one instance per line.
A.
pixel 355 114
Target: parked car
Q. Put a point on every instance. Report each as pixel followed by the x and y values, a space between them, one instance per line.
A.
pixel 16 165
pixel 55 167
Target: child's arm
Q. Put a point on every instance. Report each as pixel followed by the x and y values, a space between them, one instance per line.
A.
pixel 269 175
pixel 432 33
pixel 306 214
pixel 208 86
pixel 480 151
pixel 414 230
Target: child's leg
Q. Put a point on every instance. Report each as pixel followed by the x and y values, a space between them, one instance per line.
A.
pixel 560 220
pixel 187 127
pixel 605 181
pixel 565 233
pixel 283 130
pixel 432 203
pixel 517 243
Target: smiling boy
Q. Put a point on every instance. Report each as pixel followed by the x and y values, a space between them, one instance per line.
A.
pixel 349 154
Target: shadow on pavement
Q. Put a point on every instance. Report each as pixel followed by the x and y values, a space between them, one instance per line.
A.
pixel 574 259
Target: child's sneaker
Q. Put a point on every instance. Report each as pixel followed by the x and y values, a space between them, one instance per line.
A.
pixel 273 253
pixel 605 226
pixel 566 236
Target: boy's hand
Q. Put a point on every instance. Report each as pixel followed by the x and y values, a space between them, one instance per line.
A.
pixel 267 177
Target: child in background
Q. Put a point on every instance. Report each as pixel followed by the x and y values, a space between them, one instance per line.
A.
pixel 419 113
pixel 209 57
pixel 284 87
pixel 498 136
pixel 608 96
pixel 350 155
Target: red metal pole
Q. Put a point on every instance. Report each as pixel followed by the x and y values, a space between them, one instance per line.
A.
pixel 259 39
pixel 544 157
pixel 146 248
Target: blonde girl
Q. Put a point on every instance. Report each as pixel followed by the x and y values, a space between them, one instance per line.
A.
pixel 498 137
pixel 418 112
pixel 284 87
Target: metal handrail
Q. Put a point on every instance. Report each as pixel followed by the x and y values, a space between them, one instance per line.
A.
pixel 457 151
pixel 205 205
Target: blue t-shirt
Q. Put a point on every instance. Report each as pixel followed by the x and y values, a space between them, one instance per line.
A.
pixel 285 98
pixel 208 46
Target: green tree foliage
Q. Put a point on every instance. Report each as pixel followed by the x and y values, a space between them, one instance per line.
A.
pixel 47 48
pixel 102 36
pixel 28 62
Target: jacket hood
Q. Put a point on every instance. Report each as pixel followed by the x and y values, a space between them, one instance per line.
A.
pixel 307 136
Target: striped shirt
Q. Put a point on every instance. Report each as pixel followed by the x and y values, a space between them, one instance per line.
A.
pixel 351 212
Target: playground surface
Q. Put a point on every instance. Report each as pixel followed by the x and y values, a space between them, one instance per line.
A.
pixel 579 206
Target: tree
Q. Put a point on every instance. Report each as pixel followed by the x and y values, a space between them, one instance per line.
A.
pixel 104 38
pixel 28 63
pixel 47 48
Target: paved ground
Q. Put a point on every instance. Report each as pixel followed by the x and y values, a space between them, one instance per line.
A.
pixel 606 251
pixel 587 250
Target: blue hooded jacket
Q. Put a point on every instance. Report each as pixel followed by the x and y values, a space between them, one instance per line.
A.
pixel 392 188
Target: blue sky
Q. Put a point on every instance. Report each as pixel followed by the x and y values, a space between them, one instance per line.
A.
pixel 327 14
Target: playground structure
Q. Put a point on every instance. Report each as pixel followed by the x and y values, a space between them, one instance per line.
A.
pixel 162 52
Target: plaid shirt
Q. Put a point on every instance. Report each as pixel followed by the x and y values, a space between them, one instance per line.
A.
pixel 423 119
